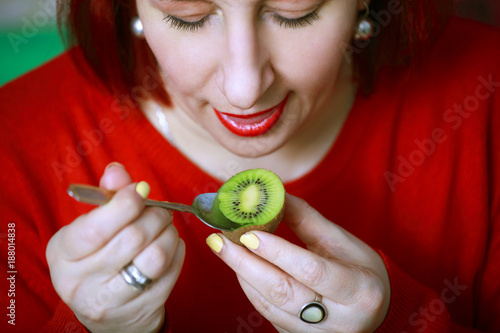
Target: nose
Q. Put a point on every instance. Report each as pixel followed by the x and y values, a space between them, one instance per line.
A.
pixel 245 72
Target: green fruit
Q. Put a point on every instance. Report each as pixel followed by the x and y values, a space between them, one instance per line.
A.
pixel 254 198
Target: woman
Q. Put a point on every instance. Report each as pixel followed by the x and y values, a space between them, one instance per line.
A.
pixel 381 116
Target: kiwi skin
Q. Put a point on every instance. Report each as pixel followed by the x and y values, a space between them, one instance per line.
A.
pixel 270 227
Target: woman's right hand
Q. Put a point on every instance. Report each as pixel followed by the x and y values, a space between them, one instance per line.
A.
pixel 85 259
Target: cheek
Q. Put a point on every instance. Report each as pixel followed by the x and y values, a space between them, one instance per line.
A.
pixel 314 67
pixel 184 63
pixel 316 59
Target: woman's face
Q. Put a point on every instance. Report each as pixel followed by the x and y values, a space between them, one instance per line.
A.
pixel 250 72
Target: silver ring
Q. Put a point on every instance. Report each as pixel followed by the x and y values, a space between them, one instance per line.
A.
pixel 134 277
pixel 313 312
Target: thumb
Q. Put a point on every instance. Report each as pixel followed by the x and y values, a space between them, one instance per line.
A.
pixel 307 223
pixel 321 235
pixel 115 177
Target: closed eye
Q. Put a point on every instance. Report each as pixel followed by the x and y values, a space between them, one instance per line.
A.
pixel 296 22
pixel 285 22
pixel 179 24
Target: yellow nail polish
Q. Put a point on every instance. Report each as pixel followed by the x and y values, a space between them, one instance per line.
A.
pixel 215 242
pixel 250 240
pixel 143 189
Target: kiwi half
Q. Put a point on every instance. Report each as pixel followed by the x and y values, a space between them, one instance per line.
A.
pixel 255 199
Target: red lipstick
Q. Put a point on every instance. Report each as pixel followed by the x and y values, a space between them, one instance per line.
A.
pixel 252 124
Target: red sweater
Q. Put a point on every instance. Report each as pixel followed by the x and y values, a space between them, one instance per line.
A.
pixel 415 173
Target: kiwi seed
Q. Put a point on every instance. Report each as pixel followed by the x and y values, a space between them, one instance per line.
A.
pixel 254 198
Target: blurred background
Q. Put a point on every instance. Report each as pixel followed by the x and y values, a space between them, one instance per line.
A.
pixel 29 35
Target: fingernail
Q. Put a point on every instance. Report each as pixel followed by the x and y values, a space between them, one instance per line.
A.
pixel 143 189
pixel 250 240
pixel 215 242
pixel 112 164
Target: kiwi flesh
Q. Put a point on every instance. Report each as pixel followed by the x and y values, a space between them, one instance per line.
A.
pixel 253 198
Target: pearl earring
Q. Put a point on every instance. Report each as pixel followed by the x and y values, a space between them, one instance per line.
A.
pixel 364 30
pixel 136 27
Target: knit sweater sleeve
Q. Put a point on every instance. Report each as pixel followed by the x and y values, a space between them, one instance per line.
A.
pixel 64 320
pixel 416 308
pixel 488 280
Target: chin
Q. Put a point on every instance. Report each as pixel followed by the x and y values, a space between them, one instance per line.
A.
pixel 252 147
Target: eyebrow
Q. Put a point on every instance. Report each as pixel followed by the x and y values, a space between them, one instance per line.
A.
pixel 160 2
pixel 165 2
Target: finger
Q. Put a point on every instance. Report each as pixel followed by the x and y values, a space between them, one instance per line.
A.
pixel 154 260
pixel 90 232
pixel 305 221
pixel 116 298
pixel 321 235
pixel 156 293
pixel 330 278
pixel 115 177
pixel 271 312
pixel 338 317
pixel 291 322
pixel 162 287
pixel 163 256
pixel 276 286
pixel 132 240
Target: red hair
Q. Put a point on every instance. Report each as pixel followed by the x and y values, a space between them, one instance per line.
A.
pixel 101 28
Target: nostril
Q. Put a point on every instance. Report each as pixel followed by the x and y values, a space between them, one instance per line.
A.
pixel 242 87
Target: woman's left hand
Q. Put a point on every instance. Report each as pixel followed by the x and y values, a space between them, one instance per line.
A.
pixel 279 278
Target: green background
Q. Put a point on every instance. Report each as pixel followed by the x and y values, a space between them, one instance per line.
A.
pixel 19 57
pixel 29 36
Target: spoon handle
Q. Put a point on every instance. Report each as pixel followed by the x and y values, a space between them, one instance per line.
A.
pixel 99 196
pixel 170 205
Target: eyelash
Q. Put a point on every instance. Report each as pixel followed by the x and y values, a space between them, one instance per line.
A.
pixel 179 24
pixel 300 22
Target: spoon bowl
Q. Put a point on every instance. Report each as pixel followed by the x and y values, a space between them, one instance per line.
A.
pixel 202 206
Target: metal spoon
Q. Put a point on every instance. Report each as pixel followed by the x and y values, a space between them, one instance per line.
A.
pixel 201 206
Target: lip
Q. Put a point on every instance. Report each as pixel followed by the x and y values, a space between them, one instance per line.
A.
pixel 252 124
